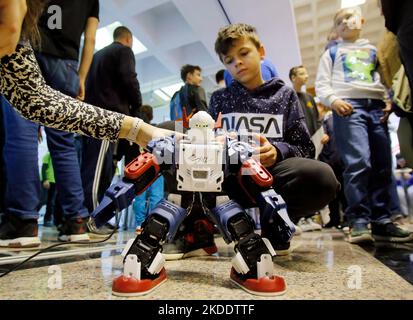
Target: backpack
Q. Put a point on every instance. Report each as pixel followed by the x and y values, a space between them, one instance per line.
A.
pixel 175 106
pixel 333 52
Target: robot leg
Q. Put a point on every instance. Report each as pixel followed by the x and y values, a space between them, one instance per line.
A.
pixel 143 262
pixel 253 268
pixel 275 222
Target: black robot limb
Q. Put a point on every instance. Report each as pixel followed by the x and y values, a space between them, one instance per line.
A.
pixel 142 256
pixel 252 251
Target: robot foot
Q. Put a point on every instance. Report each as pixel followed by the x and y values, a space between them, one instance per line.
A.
pixel 264 286
pixel 127 286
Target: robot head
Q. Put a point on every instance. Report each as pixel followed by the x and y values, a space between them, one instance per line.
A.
pixel 201 120
pixel 201 128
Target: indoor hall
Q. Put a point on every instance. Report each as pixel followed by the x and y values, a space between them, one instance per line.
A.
pixel 326 259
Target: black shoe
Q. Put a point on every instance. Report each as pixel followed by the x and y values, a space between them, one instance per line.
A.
pixel 18 233
pixel 390 232
pixel 48 223
pixel 101 232
pixel 359 233
pixel 74 230
pixel 281 248
pixel 199 241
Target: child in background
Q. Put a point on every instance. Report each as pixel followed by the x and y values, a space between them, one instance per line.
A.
pixel 348 82
pixel 145 202
pixel 306 185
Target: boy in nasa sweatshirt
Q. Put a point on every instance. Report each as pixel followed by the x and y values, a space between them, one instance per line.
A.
pixel 271 109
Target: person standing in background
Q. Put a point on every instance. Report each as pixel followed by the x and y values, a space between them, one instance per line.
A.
pixel 146 201
pixel 299 77
pixel 113 84
pixel 61 27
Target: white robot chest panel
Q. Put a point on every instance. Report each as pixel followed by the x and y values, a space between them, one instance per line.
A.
pixel 200 167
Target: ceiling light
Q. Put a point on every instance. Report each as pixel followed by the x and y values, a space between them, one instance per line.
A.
pixel 170 90
pixel 351 3
pixel 104 37
pixel 162 95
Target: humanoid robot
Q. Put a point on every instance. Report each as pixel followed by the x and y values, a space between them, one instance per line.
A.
pixel 226 179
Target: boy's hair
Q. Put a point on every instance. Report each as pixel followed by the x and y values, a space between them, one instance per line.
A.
pixel 219 76
pixel 293 71
pixel 147 113
pixel 353 10
pixel 228 34
pixel 188 68
pixel 121 32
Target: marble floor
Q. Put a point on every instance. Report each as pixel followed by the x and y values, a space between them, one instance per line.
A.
pixel 321 266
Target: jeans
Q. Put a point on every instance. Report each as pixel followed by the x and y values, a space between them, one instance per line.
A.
pixel 154 193
pixel 21 152
pixel 364 145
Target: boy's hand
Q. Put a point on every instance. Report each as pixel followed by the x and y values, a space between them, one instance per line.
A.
pixel 342 108
pixel 46 184
pixel 325 139
pixel 387 112
pixel 266 152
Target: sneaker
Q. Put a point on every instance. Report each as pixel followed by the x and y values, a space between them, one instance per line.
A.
pixel 308 225
pixel 298 230
pixel 199 242
pixel 280 248
pixel 390 232
pixel 18 233
pixel 101 232
pixel 359 233
pixel 48 223
pixel 74 230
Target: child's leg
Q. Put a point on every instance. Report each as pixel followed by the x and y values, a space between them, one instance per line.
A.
pixel 381 163
pixel 306 186
pixel 156 192
pixel 353 145
pixel 139 207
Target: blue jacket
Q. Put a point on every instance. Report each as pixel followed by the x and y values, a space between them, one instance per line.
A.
pixel 272 109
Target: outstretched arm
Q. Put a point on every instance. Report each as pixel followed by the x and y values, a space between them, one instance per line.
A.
pixel 23 86
pixel 12 13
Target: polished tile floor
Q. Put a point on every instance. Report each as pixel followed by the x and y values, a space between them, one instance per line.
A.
pixel 321 266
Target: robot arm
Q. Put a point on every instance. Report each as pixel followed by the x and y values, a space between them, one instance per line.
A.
pixel 254 189
pixel 139 175
pixel 256 183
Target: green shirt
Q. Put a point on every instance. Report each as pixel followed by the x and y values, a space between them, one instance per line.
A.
pixel 47 169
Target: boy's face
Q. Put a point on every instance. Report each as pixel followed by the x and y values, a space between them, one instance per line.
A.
pixel 243 61
pixel 348 25
pixel 301 76
pixel 194 78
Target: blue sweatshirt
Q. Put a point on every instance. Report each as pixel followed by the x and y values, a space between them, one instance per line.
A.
pixel 272 110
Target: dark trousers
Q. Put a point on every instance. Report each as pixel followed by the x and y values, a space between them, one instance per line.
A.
pixel 97 170
pixel 3 180
pixel 340 199
pixel 405 38
pixel 306 185
pixel 50 203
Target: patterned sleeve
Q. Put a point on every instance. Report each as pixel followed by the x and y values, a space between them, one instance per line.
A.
pixel 23 86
